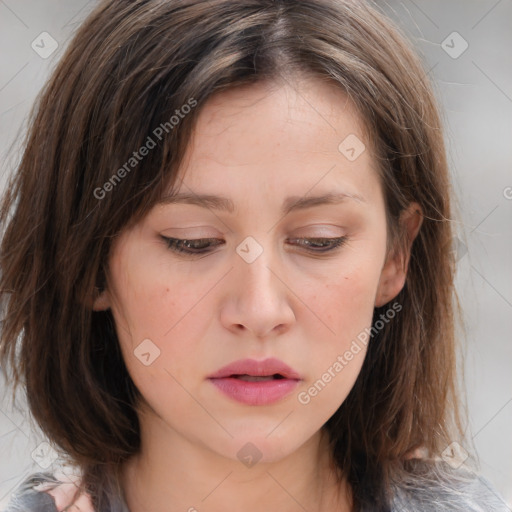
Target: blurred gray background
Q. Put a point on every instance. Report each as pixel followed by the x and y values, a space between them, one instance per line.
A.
pixel 466 46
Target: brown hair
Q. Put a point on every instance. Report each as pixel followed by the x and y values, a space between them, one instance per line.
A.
pixel 131 66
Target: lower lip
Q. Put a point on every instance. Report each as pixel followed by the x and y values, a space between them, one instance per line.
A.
pixel 255 393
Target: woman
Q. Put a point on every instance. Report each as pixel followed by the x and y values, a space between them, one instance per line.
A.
pixel 227 260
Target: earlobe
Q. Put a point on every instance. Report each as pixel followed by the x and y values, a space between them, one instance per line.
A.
pixel 101 302
pixel 394 271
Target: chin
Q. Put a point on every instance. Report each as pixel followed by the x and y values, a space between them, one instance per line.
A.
pixel 261 445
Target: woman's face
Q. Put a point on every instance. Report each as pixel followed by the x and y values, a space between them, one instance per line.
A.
pixel 264 288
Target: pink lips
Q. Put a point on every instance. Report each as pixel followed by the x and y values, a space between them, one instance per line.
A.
pixel 256 382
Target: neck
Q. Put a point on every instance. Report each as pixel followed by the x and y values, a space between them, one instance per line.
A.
pixel 171 473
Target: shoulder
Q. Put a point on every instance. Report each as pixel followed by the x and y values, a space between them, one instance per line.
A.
pixel 44 492
pixel 26 499
pixel 437 486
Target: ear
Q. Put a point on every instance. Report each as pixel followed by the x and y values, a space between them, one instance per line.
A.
pixel 394 271
pixel 101 300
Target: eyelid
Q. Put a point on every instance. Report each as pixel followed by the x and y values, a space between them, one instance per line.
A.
pixel 311 245
pixel 319 230
pixel 194 232
pixel 189 233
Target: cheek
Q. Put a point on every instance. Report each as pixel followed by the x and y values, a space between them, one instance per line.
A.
pixel 156 336
pixel 150 297
pixel 335 358
pixel 153 308
pixel 347 300
pixel 345 305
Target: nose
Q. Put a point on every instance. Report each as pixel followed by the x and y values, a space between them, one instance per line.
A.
pixel 260 299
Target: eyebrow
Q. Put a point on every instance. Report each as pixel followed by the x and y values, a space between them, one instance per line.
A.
pixel 291 203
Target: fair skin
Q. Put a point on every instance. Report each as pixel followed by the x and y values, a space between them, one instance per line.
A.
pixel 255 145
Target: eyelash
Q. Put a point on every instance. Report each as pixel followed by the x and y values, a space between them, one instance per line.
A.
pixel 176 244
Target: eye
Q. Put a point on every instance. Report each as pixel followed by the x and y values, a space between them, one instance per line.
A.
pixel 204 245
pixel 319 245
pixel 194 246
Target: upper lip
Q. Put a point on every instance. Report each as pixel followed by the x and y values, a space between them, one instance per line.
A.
pixel 256 368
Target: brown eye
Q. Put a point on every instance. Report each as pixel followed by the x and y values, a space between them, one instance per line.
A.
pixel 320 245
pixel 194 246
pixel 205 245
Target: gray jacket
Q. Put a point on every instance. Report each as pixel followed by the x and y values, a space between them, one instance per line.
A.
pixel 441 490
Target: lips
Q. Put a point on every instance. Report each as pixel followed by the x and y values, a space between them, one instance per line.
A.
pixel 256 382
pixel 253 378
pixel 251 367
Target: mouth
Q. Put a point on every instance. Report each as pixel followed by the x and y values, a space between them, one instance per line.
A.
pixel 271 368
pixel 257 378
pixel 254 382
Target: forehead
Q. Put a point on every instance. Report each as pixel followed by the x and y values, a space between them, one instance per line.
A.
pixel 278 116
pixel 278 138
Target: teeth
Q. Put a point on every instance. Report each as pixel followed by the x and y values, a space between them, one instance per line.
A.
pixel 252 378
